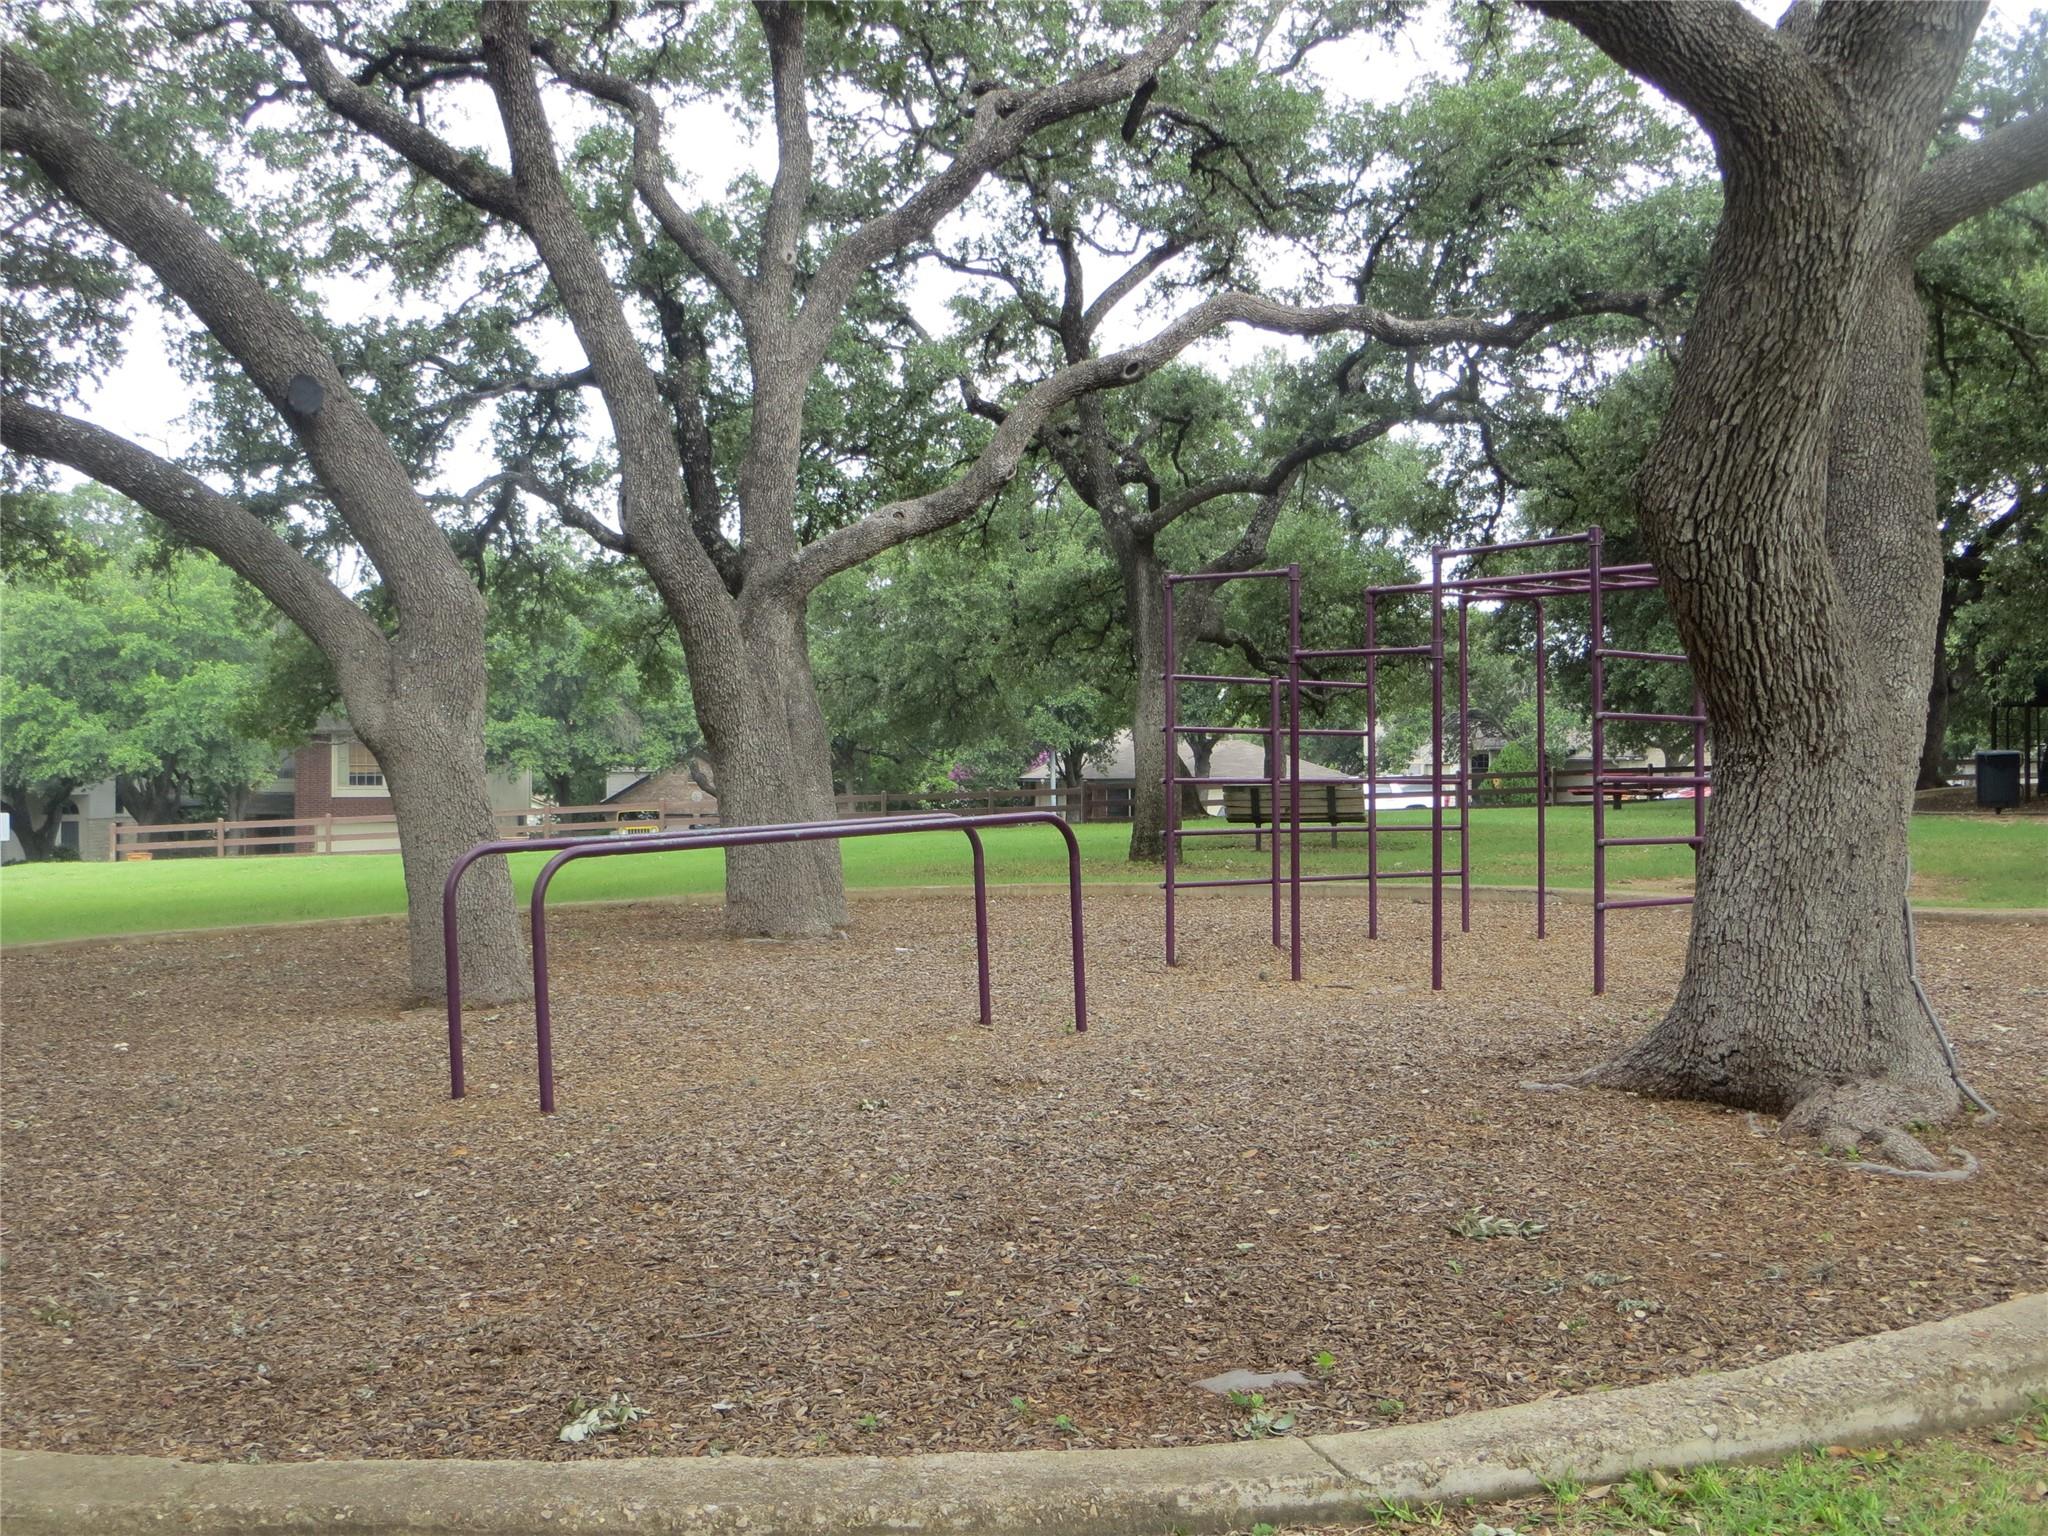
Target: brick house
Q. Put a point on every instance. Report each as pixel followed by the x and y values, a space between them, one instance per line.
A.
pixel 336 775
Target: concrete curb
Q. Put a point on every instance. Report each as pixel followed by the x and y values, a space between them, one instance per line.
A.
pixel 1966 1370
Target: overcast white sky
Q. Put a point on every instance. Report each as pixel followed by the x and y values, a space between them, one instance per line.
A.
pixel 145 398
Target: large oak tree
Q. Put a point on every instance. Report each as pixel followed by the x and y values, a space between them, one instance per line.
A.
pixel 1788 500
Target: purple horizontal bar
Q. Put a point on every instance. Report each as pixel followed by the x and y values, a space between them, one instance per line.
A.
pixel 1225 575
pixel 1334 682
pixel 1215 783
pixel 1648 715
pixel 1640 901
pixel 1212 677
pixel 1368 650
pixel 1607 654
pixel 1608 776
pixel 1227 730
pixel 1333 730
pixel 1646 842
pixel 1488 549
pixel 1191 885
pixel 1235 829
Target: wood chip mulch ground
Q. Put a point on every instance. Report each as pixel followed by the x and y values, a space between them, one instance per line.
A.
pixel 796 1201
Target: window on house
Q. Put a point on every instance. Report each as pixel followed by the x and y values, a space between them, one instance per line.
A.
pixel 363 772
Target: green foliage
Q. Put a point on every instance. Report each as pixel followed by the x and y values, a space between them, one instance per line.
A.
pixel 136 669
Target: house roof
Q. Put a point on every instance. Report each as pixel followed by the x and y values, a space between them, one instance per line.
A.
pixel 672 785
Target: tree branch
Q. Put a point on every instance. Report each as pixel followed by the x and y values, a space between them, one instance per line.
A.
pixel 1740 79
pixel 301 590
pixel 783 224
pixel 899 521
pixel 690 237
pixel 1973 180
pixel 462 172
pixel 1131 277
pixel 565 508
pixel 276 349
pixel 1003 123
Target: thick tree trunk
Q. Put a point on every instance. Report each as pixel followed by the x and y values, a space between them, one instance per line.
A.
pixel 1798 995
pixel 1145 615
pixel 38 823
pixel 1788 503
pixel 773 757
pixel 152 802
pixel 427 731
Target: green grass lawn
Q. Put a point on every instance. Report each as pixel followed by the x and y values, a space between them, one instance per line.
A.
pixel 1989 1483
pixel 1958 861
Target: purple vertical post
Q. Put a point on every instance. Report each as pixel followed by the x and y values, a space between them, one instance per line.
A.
pixel 1599 681
pixel 1436 771
pixel 988 1017
pixel 1372 773
pixel 1172 814
pixel 1273 781
pixel 1294 770
pixel 1464 771
pixel 1542 776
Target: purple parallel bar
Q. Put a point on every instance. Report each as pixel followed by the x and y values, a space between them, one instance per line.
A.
pixel 1596 663
pixel 797 832
pixel 1220 783
pixel 1649 717
pixel 1642 901
pixel 1653 842
pixel 1274 772
pixel 1618 655
pixel 1464 767
pixel 1372 765
pixel 1494 549
pixel 1181 579
pixel 1294 772
pixel 1542 779
pixel 1609 776
pixel 1201 885
pixel 1335 684
pixel 1363 651
pixel 1220 677
pixel 451 925
pixel 1235 829
pixel 1436 766
pixel 1227 730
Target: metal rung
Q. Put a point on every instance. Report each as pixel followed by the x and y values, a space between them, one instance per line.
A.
pixel 1646 842
pixel 1648 715
pixel 1640 901
pixel 1605 654
pixel 1235 829
pixel 1183 577
pixel 1191 885
pixel 1609 776
pixel 1214 677
pixel 1227 730
pixel 1366 651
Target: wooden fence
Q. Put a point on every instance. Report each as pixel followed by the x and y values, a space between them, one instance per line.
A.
pixel 379 834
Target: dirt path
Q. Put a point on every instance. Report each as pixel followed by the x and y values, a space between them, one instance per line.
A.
pixel 796 1201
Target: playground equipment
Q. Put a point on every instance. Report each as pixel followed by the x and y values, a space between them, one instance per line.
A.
pixel 571 849
pixel 1592 580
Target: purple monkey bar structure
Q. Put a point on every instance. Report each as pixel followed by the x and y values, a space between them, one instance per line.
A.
pixel 574 848
pixel 1452 785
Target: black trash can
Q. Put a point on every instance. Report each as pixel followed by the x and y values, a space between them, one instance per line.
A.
pixel 1998 779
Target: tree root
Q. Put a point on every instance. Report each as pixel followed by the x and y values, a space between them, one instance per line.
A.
pixel 1852 1117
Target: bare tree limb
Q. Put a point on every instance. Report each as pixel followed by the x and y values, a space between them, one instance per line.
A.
pixel 463 173
pixel 898 521
pixel 302 591
pixel 690 236
pixel 1973 180
pixel 782 226
pixel 565 506
pixel 1003 123
pixel 1742 80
